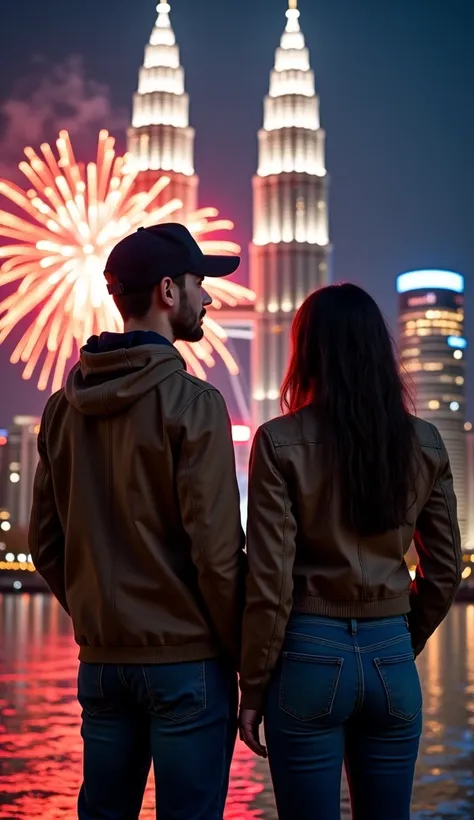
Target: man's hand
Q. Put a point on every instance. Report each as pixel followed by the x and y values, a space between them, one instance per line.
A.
pixel 249 729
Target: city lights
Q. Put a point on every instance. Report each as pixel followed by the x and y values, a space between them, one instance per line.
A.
pixel 5 526
pixel 19 563
pixel 241 433
pixel 457 341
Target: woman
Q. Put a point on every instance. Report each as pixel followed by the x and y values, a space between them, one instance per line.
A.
pixel 339 488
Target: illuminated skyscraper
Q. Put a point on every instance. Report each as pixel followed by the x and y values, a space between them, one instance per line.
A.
pixel 160 138
pixel 433 347
pixel 22 454
pixel 289 252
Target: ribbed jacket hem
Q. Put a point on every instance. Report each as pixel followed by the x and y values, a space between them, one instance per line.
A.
pixel 176 653
pixel 378 608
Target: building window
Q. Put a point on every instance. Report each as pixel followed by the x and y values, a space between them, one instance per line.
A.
pixel 450 398
pixel 413 366
pixel 433 366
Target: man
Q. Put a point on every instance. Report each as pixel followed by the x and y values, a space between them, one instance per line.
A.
pixel 136 528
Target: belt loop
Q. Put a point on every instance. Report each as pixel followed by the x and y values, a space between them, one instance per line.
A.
pixel 353 627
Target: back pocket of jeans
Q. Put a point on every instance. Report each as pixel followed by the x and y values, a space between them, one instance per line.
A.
pixel 176 691
pixel 90 689
pixel 308 685
pixel 402 686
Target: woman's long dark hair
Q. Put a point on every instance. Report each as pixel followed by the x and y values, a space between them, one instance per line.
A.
pixel 343 363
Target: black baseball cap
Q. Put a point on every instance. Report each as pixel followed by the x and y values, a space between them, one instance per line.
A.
pixel 144 258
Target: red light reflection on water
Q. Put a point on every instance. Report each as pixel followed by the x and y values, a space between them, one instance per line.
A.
pixel 40 743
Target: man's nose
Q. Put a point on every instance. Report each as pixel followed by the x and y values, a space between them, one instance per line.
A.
pixel 206 299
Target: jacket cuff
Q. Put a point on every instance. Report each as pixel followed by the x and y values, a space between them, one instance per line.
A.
pixel 253 700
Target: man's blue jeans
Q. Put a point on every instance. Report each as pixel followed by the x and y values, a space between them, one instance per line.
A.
pixel 182 717
pixel 344 690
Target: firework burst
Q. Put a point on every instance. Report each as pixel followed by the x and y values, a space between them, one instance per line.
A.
pixel 73 216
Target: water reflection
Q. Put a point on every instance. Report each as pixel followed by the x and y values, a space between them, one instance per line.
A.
pixel 40 745
pixel 445 777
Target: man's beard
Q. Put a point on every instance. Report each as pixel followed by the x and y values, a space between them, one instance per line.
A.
pixel 186 325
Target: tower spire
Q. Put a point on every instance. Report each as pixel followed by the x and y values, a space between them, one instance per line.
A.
pixel 290 250
pixel 160 138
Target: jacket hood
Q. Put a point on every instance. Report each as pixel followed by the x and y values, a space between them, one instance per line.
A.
pixel 108 381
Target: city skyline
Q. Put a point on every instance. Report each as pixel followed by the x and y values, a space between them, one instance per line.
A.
pixel 374 238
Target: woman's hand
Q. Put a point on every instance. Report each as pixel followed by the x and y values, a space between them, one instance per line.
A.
pixel 249 729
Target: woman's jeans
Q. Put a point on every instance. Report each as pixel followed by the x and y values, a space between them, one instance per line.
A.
pixel 344 690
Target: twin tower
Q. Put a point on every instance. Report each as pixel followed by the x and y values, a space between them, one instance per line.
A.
pixel 289 253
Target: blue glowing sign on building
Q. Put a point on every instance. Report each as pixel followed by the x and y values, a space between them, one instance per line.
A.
pixel 457 341
pixel 435 279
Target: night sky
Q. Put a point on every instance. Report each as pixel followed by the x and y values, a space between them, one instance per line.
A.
pixel 395 80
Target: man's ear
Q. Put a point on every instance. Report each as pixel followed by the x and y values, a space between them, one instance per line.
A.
pixel 166 292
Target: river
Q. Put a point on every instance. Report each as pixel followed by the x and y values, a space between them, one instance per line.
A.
pixel 40 745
